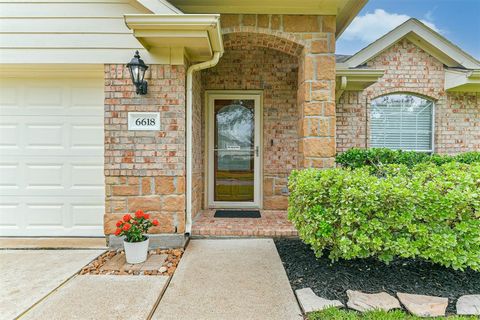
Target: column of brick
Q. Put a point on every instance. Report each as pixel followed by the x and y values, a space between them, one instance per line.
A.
pixel 145 169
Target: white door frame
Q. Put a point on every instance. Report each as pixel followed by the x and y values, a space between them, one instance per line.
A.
pixel 210 96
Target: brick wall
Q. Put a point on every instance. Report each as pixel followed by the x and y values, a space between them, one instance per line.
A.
pixel 145 169
pixel 274 72
pixel 458 124
pixel 409 69
pixel 197 145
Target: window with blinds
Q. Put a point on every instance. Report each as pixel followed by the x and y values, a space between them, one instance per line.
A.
pixel 402 121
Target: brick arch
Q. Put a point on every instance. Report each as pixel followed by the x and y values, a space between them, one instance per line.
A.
pixel 245 37
pixel 420 93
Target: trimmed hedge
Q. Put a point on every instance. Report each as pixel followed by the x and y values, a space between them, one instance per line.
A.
pixel 376 157
pixel 427 211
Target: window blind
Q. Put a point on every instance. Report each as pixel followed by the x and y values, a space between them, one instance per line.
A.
pixel 401 122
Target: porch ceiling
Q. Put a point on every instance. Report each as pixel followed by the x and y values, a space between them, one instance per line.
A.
pixel 345 10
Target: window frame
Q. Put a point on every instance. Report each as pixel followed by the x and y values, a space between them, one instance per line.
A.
pixel 433 127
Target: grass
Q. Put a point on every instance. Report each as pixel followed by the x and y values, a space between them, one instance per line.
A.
pixel 339 314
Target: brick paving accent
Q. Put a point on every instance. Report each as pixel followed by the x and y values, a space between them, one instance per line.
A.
pixel 409 69
pixel 271 224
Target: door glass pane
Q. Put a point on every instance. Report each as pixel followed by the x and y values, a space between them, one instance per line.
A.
pixel 234 148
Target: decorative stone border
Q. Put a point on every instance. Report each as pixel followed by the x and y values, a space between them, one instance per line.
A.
pixel 419 305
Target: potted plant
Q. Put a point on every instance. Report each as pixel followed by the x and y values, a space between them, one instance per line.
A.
pixel 135 241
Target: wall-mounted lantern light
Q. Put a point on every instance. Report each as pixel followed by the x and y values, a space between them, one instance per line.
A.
pixel 137 71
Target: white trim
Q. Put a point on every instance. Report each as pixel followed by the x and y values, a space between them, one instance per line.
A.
pixel 462 80
pixel 198 34
pixel 189 138
pixel 257 96
pixel 432 138
pixel 158 6
pixel 424 37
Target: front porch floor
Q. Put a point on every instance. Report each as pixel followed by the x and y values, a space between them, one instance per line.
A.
pixel 273 223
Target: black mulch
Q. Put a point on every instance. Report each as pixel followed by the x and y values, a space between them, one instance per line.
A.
pixel 331 280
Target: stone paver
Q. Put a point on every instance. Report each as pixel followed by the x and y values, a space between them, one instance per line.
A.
pixel 423 306
pixel 469 305
pixel 360 301
pixel 26 276
pixel 101 297
pixel 310 302
pixel 229 279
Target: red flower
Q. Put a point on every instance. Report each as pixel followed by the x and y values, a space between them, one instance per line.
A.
pixel 146 216
pixel 126 226
pixel 139 214
pixel 118 231
pixel 127 217
pixel 119 223
pixel 155 222
pixel 135 222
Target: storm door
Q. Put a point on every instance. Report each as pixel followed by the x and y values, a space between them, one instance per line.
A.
pixel 234 149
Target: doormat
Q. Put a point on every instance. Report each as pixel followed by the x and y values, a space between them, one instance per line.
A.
pixel 237 214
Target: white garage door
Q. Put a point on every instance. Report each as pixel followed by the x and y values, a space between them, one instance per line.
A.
pixel 51 156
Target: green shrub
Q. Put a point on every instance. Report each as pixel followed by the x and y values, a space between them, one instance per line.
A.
pixel 428 212
pixel 376 157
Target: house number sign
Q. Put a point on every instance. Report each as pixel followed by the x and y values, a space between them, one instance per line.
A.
pixel 146 121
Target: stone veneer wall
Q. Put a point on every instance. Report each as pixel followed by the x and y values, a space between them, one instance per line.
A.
pixel 410 69
pixel 145 169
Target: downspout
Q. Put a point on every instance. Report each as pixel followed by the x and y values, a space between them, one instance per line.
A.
pixel 188 124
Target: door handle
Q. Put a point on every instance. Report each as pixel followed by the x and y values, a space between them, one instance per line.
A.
pixel 257 151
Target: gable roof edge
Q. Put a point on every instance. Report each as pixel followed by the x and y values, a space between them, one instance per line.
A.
pixel 447 52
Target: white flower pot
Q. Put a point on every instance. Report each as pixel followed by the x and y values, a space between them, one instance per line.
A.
pixel 136 252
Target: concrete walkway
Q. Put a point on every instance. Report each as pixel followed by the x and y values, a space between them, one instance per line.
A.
pixel 229 279
pixel 26 276
pixel 95 297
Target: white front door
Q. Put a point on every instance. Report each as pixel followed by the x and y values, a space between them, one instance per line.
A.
pixel 51 155
pixel 234 149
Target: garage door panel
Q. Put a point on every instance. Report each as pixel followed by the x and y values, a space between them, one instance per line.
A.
pixel 45 176
pixel 55 135
pixel 51 157
pixel 45 214
pixel 83 214
pixel 51 216
pixel 85 136
pixel 46 97
pixel 44 135
pixel 52 97
pixel 9 176
pixel 8 218
pixel 9 98
pixel 33 176
pixel 87 176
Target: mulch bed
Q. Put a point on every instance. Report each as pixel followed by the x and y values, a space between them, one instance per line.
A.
pixel 113 263
pixel 331 280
